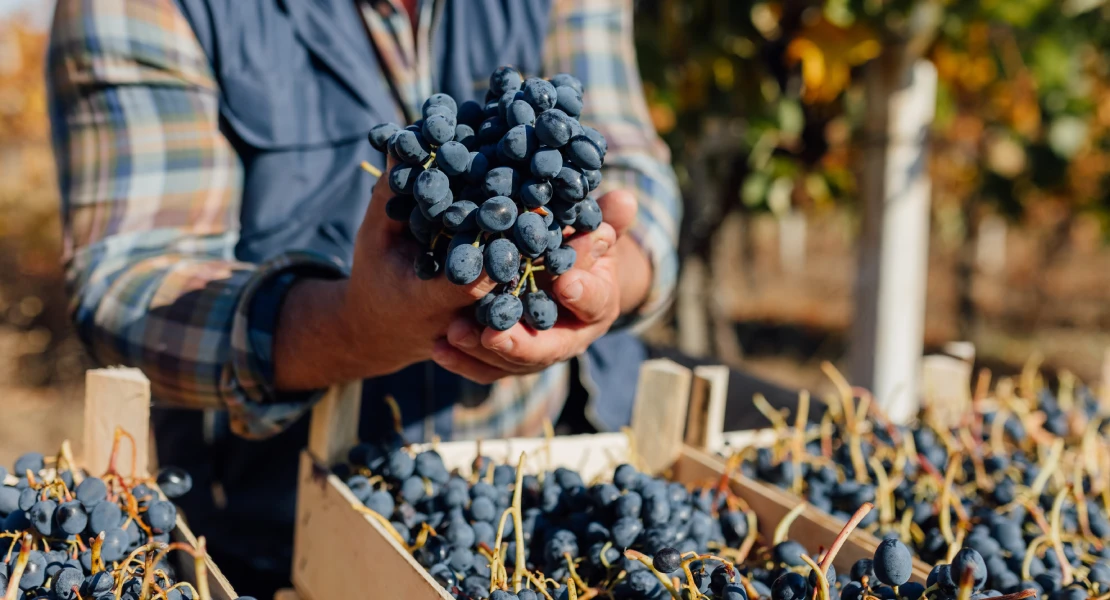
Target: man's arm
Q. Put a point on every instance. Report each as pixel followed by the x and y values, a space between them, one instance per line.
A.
pixel 150 203
pixel 592 40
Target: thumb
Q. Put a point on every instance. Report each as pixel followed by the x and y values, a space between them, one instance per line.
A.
pixel 618 209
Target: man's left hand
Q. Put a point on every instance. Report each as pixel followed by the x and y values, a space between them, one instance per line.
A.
pixel 611 274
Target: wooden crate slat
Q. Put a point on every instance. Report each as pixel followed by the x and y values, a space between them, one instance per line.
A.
pixel 337 550
pixel 659 415
pixel 334 426
pixel 706 416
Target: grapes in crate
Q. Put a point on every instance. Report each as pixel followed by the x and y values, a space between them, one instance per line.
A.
pixel 67 535
pixel 494 188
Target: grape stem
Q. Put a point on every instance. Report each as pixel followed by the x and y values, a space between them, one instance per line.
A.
pixel 13 590
pixel 527 273
pixel 822 591
pixel 783 528
pixel 646 561
pixel 371 169
pixel 520 566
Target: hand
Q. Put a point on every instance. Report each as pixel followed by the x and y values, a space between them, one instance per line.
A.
pixel 380 320
pixel 611 273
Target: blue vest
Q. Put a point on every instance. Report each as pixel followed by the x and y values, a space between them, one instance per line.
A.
pixel 301 87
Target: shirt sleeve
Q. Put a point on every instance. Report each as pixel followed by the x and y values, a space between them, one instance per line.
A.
pixel 151 193
pixel 592 40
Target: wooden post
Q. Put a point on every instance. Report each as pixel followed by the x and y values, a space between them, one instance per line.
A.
pixel 659 416
pixel 116 397
pixel 889 326
pixel 334 427
pixel 706 420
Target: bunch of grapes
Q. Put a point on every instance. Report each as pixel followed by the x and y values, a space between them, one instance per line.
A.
pixel 65 535
pixel 496 187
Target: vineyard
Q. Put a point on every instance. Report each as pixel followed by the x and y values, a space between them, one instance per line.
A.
pixel 762 107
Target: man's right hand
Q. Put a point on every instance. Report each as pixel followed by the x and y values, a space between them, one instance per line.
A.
pixel 380 320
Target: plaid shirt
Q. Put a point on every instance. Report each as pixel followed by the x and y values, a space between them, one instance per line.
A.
pixel 151 193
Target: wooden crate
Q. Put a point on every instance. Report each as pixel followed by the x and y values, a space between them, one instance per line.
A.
pixel 707 409
pixel 119 397
pixel 338 549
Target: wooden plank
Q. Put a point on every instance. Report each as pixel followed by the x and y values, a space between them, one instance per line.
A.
pixel 946 387
pixel 218 585
pixel 116 397
pixel 813 527
pixel 334 428
pixel 659 416
pixel 708 397
pixel 337 549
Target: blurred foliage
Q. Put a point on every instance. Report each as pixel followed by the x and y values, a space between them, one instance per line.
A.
pixel 37 345
pixel 1023 109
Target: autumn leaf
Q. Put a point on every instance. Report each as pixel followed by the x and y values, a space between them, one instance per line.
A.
pixel 827 54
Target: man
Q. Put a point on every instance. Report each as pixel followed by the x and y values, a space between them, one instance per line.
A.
pixel 220 236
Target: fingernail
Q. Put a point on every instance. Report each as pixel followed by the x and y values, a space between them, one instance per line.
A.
pixel 600 248
pixel 468 340
pixel 505 346
pixel 573 291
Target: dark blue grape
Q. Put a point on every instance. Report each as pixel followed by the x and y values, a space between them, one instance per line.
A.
pixel 34 574
pixel 546 163
pixel 431 187
pixel 116 542
pixel 427 266
pixel 966 561
pixel 470 113
pixel 403 177
pixel 443 100
pixel 570 100
pixel 584 153
pixel 410 148
pixel 461 216
pixel 503 181
pixel 790 586
pixel 71 517
pixel 520 113
pixel 589 217
pixel 30 461
pixel 439 129
pixel 491 130
pixel 9 500
pixel 412 492
pixel 625 531
pixel 481 309
pixel 504 79
pixel 161 516
pixel 597 138
pixel 175 482
pixel 540 94
pixel 530 234
pixel 42 516
pixel 568 80
pixel 504 312
pixel 434 212
pixel 464 264
pixel 465 135
pixel 502 260
pixel 535 193
pixel 593 178
pixel 421 227
pixel 380 502
pixel 478 168
pixel 380 134
pixel 506 100
pixel 453 159
pixel 496 214
pixel 554 235
pixel 553 128
pixel 540 310
pixel 565 213
pixel 668 560
pixel 570 185
pixel 559 260
pixel 518 144
pixel 893 562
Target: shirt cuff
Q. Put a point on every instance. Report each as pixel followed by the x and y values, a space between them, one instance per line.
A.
pixel 256 409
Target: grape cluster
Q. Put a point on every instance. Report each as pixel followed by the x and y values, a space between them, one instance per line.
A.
pixel 632 537
pixel 1022 486
pixel 69 536
pixel 495 186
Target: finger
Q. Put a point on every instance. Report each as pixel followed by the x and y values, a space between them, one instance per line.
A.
pixel 591 295
pixel 466 336
pixel 591 246
pixel 524 346
pixel 618 209
pixel 460 364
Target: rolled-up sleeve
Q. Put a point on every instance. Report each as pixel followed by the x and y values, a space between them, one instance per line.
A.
pixel 151 193
pixel 592 40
